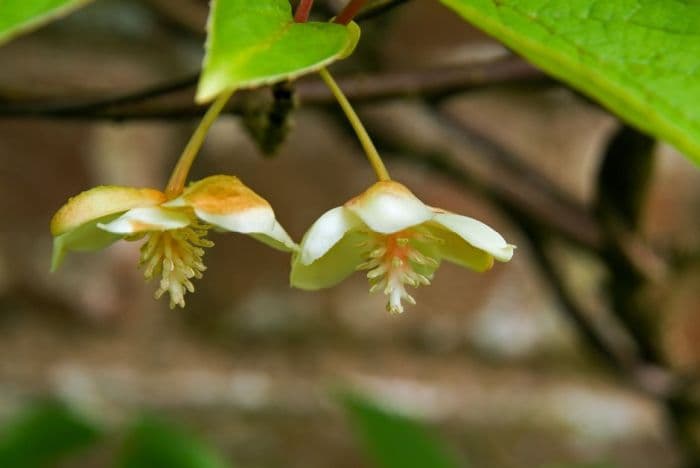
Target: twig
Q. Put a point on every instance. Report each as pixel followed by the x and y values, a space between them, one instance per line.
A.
pixel 173 100
pixel 593 337
pixel 538 227
pixel 58 109
pixel 561 220
pixel 525 189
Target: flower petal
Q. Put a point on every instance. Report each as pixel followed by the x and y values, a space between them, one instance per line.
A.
pixel 388 207
pixel 225 202
pixel 151 218
pixel 276 238
pixel 85 237
pixel 326 232
pixel 453 248
pixel 337 263
pixel 477 234
pixel 99 202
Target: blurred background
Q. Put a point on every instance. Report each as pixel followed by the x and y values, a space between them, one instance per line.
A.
pixel 582 349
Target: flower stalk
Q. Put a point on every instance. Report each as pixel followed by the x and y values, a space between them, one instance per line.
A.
pixel 176 184
pixel 370 150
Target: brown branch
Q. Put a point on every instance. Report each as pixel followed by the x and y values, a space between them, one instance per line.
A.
pixel 596 341
pixel 174 100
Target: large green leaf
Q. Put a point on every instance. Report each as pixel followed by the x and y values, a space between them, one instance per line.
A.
pixel 392 440
pixel 154 443
pixel 43 435
pixel 251 43
pixel 20 16
pixel 639 58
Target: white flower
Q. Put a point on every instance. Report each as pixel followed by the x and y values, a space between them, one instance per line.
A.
pixel 176 228
pixel 396 237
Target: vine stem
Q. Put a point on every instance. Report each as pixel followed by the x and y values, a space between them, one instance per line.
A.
pixel 301 15
pixel 349 12
pixel 372 155
pixel 176 184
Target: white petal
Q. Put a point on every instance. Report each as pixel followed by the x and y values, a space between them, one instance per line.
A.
pixel 152 218
pixel 476 234
pixel 227 203
pixel 253 220
pixel 326 232
pixel 388 207
pixel 337 263
pixel 277 238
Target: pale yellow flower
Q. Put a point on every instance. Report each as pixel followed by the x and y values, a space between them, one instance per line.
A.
pixel 398 239
pixel 176 229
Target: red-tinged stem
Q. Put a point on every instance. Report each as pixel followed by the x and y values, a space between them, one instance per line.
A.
pixel 303 10
pixel 349 12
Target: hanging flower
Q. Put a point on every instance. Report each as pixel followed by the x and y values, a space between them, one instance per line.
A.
pixel 398 239
pixel 175 229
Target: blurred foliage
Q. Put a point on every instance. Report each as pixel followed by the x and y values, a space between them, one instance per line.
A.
pixel 394 441
pixel 45 433
pixel 152 442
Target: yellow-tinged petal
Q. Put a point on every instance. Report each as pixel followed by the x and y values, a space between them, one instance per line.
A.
pixel 149 218
pixel 389 207
pixel 276 237
pixel 455 249
pixel 227 203
pixel 99 202
pixel 477 234
pixel 85 237
pixel 334 266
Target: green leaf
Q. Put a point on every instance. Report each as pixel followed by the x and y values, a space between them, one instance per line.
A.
pixel 394 441
pixel 252 43
pixel 44 434
pixel 639 58
pixel 20 16
pixel 154 443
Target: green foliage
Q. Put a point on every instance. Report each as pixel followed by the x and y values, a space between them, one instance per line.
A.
pixel 43 434
pixel 20 16
pixel 153 443
pixel 394 441
pixel 255 43
pixel 639 58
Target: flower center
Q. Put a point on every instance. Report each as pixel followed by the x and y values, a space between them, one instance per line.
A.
pixel 175 256
pixel 396 260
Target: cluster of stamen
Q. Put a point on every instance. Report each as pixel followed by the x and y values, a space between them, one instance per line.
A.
pixel 175 256
pixel 392 261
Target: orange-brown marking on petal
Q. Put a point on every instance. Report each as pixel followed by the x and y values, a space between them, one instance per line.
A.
pixel 139 226
pixel 390 187
pixel 222 195
pixel 99 202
